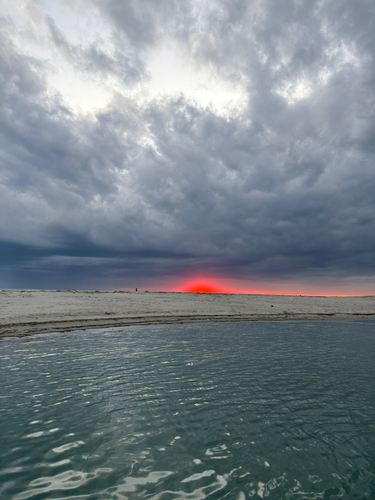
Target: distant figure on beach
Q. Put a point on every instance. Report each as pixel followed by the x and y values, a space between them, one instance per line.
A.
pixel 136 289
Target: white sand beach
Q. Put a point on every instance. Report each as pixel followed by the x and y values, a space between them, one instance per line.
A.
pixel 30 312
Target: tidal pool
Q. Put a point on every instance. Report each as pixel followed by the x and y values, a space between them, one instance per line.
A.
pixel 219 410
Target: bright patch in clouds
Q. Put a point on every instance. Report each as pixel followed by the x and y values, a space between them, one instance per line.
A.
pixel 293 92
pixel 79 92
pixel 173 73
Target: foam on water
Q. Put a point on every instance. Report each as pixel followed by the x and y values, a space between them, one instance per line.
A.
pixel 263 410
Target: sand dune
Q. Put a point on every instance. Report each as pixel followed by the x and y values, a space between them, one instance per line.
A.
pixel 30 312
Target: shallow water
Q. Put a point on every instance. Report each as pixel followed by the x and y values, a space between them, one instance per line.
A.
pixel 240 410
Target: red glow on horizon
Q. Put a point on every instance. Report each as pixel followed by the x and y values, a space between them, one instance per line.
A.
pixel 203 288
pixel 209 285
pixel 213 282
pixel 205 285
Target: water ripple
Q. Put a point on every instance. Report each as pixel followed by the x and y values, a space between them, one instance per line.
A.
pixel 234 411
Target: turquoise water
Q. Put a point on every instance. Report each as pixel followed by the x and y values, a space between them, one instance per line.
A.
pixel 230 410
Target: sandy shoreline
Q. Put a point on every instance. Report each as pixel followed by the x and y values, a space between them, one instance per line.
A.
pixel 30 312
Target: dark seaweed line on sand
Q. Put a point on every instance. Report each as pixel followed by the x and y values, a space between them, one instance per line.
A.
pixel 34 327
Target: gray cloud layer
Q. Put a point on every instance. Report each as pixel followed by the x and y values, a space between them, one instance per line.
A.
pixel 285 187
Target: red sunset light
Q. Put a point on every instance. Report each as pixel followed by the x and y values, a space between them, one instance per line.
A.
pixel 203 285
pixel 209 284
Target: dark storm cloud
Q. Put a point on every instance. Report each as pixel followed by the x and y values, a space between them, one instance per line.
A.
pixel 286 187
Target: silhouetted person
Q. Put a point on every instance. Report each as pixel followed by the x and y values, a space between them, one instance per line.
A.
pixel 136 289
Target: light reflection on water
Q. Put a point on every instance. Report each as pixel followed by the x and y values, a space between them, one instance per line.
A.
pixel 241 410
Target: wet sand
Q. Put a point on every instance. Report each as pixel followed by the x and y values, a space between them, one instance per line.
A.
pixel 30 312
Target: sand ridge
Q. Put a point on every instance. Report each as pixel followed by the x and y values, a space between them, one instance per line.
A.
pixel 29 312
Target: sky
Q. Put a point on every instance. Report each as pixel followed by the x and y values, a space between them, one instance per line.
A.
pixel 157 143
